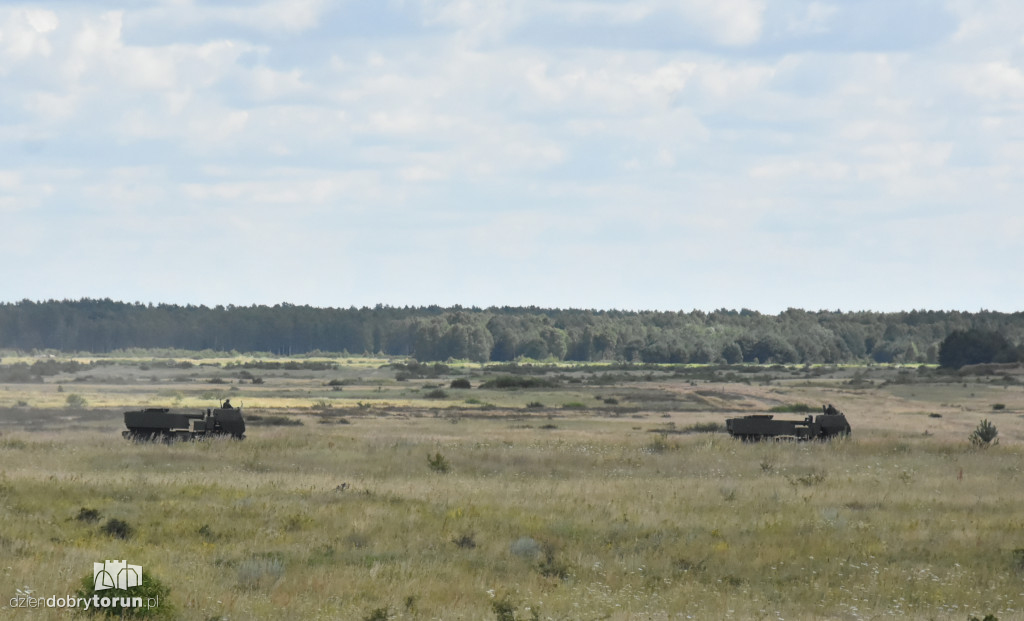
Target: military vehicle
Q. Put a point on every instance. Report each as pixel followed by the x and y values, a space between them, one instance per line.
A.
pixel 163 424
pixel 830 423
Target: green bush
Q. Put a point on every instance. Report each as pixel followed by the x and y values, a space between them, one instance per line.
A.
pixel 118 529
pixel 461 382
pixel 984 435
pixel 151 591
pixel 75 402
pixel 503 609
pixel 512 382
pixel 438 463
pixel 378 614
pixel 88 515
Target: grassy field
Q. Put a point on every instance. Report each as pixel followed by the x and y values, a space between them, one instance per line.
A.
pixel 586 493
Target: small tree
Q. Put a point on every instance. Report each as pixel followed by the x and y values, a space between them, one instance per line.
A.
pixel 984 435
pixel 438 463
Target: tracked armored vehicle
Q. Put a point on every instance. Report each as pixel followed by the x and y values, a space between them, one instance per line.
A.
pixel 163 424
pixel 829 424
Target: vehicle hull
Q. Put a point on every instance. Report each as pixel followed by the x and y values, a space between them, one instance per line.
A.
pixel 767 427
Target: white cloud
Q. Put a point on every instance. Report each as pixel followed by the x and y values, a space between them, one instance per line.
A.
pixel 994 80
pixel 731 22
pixel 255 118
pixel 25 33
pixel 804 169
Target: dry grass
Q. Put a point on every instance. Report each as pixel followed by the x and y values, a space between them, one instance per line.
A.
pixel 571 514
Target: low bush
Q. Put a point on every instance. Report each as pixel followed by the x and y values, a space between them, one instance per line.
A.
pixel 119 529
pixel 151 591
pixel 513 382
pixel 88 515
pixel 438 463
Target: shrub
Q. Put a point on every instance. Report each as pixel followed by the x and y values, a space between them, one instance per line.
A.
pixel 525 547
pixel 75 401
pixel 512 382
pixel 88 515
pixel 378 614
pixel 118 529
pixel 551 567
pixel 984 435
pixel 504 610
pixel 660 444
pixel 460 383
pixel 151 590
pixel 438 463
pixel 437 393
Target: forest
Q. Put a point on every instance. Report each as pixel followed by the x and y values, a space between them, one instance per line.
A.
pixel 436 333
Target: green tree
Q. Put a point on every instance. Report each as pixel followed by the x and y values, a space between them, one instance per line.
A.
pixel 975 346
pixel 984 435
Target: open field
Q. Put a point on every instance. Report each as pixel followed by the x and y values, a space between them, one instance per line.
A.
pixel 570 493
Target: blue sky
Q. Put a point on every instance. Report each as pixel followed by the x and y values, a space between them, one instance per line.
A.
pixel 589 154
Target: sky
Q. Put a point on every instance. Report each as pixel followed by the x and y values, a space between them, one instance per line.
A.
pixel 638 155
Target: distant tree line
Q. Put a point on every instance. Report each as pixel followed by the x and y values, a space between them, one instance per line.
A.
pixel 434 333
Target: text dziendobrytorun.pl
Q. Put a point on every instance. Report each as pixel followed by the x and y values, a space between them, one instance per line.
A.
pixel 85 603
